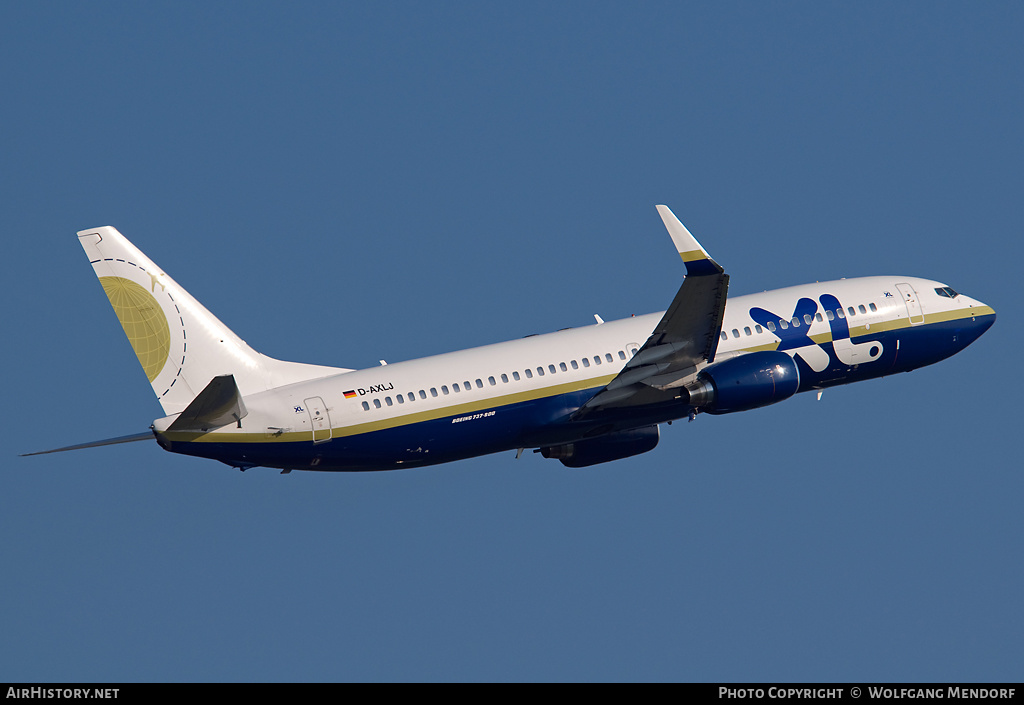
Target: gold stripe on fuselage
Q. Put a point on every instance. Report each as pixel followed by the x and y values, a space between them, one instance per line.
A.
pixel 532 395
pixel 395 421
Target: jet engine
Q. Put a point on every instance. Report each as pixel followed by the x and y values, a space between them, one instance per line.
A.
pixel 602 449
pixel 745 382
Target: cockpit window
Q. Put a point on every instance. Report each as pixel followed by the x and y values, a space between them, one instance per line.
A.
pixel 947 291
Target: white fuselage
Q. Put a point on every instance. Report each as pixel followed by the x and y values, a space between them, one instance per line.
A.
pixel 551 373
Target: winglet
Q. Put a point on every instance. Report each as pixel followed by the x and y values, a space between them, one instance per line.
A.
pixel 695 257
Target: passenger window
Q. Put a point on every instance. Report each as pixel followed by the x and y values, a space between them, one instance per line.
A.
pixel 758 329
pixel 551 369
pixel 423 395
pixel 771 326
pixel 597 359
pixel 574 365
pixel 411 396
pixel 387 400
pixel 366 406
pixel 467 385
pixel 783 325
pixel 456 387
pixel 725 336
pixel 831 316
pixel 562 367
pixel 529 373
pixel 540 371
pixel 849 309
pixel 735 333
pixel 795 321
pixel 817 317
pixel 840 313
pixel 490 381
pixel 515 376
pixel 376 403
pixel 433 392
pixel 480 383
pixel 401 399
pixel 862 309
pixel 872 307
pixel 586 362
pixel 807 318
pixel 504 378
pixel 746 330
pixel 622 355
pixel 608 357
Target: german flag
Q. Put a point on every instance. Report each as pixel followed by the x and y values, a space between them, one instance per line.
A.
pixel 350 393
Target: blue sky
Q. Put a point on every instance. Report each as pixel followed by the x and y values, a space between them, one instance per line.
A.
pixel 342 183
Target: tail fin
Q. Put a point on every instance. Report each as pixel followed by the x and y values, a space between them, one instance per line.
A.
pixel 180 345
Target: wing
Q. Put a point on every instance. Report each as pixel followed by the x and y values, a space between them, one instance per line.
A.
pixel 685 339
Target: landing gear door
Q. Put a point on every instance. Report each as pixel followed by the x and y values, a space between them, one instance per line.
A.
pixel 913 305
pixel 319 420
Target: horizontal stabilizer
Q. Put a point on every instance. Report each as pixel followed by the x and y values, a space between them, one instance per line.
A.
pixel 147 436
pixel 217 405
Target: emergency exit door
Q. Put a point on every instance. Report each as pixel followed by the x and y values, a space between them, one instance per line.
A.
pixel 319 420
pixel 913 305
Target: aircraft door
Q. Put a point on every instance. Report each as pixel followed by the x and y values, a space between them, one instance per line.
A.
pixel 913 305
pixel 319 419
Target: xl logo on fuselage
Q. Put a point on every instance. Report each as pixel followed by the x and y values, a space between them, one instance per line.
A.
pixel 794 334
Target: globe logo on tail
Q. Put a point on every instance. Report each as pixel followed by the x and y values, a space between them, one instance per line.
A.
pixel 143 321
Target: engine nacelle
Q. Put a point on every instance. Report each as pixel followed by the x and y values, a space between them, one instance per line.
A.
pixel 602 449
pixel 745 382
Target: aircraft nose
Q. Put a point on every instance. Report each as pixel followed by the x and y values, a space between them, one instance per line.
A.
pixel 983 312
pixel 989 319
pixel 982 318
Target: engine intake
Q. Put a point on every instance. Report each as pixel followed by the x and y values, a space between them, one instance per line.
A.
pixel 746 382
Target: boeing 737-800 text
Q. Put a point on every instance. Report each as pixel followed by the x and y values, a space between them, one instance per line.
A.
pixel 582 395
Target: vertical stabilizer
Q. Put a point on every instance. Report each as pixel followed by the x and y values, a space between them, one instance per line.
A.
pixel 180 345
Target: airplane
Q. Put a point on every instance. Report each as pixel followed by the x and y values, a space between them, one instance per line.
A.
pixel 582 396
